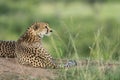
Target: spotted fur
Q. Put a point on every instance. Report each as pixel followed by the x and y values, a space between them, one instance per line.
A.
pixel 7 49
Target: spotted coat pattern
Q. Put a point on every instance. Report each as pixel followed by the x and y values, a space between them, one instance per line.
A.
pixel 7 49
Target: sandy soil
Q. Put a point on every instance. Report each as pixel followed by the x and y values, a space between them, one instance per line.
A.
pixel 10 69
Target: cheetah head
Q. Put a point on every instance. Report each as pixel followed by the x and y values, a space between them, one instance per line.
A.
pixel 40 29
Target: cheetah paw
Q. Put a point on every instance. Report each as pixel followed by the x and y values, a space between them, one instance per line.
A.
pixel 70 63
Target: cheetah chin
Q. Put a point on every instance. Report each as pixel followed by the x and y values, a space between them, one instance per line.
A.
pixel 43 33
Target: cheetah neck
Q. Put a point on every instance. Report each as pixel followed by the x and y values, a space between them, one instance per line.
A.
pixel 29 37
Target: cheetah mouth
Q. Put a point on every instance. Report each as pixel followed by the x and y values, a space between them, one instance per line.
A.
pixel 48 32
pixel 45 33
pixel 41 35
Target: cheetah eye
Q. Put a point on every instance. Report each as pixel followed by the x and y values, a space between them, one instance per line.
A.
pixel 46 27
pixel 36 27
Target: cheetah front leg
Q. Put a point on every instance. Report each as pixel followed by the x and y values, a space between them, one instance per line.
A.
pixel 55 65
pixel 38 61
pixel 45 62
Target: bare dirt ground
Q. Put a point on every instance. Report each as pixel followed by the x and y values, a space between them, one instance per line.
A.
pixel 10 69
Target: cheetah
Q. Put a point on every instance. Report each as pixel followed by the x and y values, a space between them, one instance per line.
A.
pixel 29 49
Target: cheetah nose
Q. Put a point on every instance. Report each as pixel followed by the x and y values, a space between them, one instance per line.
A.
pixel 51 30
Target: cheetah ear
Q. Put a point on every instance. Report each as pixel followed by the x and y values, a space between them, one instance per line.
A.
pixel 35 27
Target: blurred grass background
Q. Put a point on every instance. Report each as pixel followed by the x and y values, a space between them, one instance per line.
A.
pixel 82 28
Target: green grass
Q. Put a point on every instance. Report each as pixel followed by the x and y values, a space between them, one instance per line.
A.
pixel 79 33
pixel 90 73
